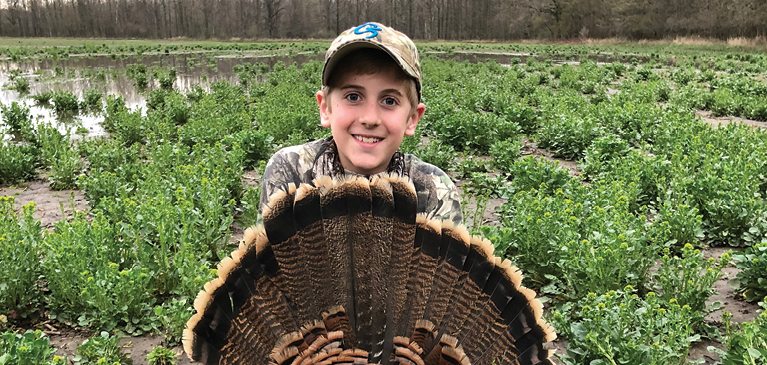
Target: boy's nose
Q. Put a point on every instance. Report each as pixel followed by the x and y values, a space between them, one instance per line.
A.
pixel 370 116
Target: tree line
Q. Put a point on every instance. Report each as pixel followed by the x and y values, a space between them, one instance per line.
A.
pixel 420 19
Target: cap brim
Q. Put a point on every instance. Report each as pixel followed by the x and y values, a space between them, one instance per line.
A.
pixel 354 45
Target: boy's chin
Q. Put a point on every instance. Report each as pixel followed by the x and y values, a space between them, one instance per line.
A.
pixel 367 168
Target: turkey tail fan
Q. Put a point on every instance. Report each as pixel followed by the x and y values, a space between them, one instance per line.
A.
pixel 345 272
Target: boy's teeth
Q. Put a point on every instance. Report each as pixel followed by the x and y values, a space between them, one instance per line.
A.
pixel 367 140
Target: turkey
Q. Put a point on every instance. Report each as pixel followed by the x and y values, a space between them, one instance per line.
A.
pixel 345 272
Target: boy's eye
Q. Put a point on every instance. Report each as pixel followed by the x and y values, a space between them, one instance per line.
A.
pixel 353 97
pixel 390 101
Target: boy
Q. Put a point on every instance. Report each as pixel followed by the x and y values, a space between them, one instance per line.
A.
pixel 370 99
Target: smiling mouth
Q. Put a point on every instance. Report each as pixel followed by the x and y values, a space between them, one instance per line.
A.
pixel 367 139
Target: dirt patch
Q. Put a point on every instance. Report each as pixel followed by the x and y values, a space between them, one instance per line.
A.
pixel 51 206
pixel 530 148
pixel 137 348
pixel 717 122
pixel 489 215
pixel 725 293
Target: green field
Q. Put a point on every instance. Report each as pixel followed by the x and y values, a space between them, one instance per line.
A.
pixel 665 144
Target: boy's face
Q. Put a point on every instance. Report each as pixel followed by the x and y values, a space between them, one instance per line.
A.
pixel 368 115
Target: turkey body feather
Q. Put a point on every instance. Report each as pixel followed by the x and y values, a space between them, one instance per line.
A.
pixel 345 271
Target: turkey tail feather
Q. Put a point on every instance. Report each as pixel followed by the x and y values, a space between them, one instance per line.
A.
pixel 345 272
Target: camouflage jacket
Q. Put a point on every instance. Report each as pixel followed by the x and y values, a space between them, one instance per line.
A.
pixel 437 195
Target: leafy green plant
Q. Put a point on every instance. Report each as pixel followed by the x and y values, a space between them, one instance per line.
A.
pixel 109 154
pixel 92 100
pixel 479 189
pixel 20 249
pixel 103 349
pixel 745 343
pixel 677 225
pixel 505 153
pixel 467 130
pixel 599 154
pixel 540 174
pixel 42 98
pixel 65 102
pixel 21 84
pixel 66 166
pixel 166 79
pixel 16 117
pixel 115 107
pixel 689 280
pixel 569 136
pixel 619 327
pixel 248 208
pixel 50 142
pixel 585 240
pixel 92 277
pixel 138 73
pixel 17 164
pixel 161 356
pixel 752 279
pixel 30 348
pixel 683 76
pixel 437 154
pixel 256 145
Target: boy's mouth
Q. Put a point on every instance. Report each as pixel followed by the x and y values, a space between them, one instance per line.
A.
pixel 367 139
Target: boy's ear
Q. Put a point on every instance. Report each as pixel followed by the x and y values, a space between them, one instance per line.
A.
pixel 322 102
pixel 412 122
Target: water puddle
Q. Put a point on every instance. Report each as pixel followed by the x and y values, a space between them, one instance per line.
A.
pixel 106 73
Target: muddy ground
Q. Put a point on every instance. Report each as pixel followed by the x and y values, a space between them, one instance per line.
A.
pixel 52 206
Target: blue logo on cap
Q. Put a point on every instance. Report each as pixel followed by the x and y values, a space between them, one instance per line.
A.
pixel 371 28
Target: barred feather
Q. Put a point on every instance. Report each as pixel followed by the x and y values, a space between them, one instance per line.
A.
pixel 346 272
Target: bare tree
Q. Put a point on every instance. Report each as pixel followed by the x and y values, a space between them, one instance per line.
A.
pixel 421 19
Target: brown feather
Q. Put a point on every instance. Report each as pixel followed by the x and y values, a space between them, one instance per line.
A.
pixel 343 269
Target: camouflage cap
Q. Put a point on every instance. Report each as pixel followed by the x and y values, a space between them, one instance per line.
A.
pixel 375 35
